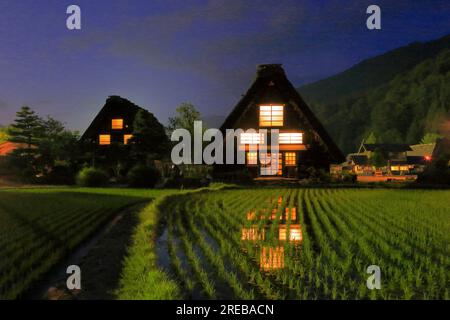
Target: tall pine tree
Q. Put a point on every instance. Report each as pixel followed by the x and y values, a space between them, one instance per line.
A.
pixel 27 129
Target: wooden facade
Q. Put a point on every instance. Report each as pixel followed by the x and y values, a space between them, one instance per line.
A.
pixel 273 103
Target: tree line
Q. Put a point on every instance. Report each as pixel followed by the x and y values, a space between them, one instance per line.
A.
pixel 50 153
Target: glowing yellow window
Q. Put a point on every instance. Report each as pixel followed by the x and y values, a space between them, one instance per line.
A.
pixel 252 158
pixel 395 168
pixel 117 124
pixel 271 164
pixel 270 116
pixel 251 138
pixel 291 138
pixel 127 137
pixel 291 159
pixel 104 139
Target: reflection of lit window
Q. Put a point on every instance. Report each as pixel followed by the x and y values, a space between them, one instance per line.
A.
pixel 291 138
pixel 252 234
pixel 270 116
pixel 271 258
pixel 251 138
pixel 252 158
pixel 104 139
pixel 295 233
pixel 290 158
pixel 251 215
pixel 293 214
pixel 126 137
pixel 117 124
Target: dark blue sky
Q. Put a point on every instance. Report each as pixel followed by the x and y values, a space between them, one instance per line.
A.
pixel 159 53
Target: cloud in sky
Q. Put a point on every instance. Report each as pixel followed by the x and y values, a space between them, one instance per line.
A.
pixel 218 37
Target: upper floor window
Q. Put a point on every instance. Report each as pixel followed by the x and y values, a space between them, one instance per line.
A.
pixel 117 124
pixel 271 116
pixel 104 139
pixel 291 138
pixel 251 138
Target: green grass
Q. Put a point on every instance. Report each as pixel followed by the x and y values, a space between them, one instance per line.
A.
pixel 39 226
pixel 405 232
pixel 141 278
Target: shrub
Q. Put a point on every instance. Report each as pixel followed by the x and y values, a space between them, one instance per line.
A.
pixel 92 177
pixel 141 176
pixel 60 175
pixel 349 177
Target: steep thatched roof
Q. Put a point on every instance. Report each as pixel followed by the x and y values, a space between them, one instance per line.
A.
pixel 422 149
pixel 274 75
pixel 114 106
pixel 387 147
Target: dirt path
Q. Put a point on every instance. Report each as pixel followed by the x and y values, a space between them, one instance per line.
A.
pixel 100 260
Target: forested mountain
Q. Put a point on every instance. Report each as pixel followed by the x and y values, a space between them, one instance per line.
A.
pixel 396 96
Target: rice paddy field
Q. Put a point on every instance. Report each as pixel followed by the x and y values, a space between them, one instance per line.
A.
pixel 40 226
pixel 257 243
pixel 307 243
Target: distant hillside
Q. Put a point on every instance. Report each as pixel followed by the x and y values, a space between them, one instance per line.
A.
pixel 398 96
pixel 372 72
pixel 403 110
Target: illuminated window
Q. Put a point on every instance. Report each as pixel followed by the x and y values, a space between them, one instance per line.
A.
pixel 270 116
pixel 404 168
pixel 251 138
pixel 291 138
pixel 271 258
pixel 127 137
pixel 290 158
pixel 252 158
pixel 271 164
pixel 395 168
pixel 117 124
pixel 104 139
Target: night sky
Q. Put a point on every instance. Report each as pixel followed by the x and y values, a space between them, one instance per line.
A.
pixel 161 53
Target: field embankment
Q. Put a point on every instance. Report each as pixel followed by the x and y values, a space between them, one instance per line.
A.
pixel 39 227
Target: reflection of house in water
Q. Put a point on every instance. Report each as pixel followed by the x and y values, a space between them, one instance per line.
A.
pixel 251 215
pixel 253 233
pixel 271 258
pixel 295 233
